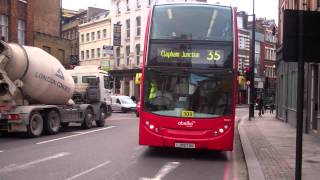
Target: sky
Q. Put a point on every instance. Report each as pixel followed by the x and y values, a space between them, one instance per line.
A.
pixel 263 8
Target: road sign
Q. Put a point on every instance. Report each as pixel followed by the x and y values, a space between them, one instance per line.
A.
pixel 107 49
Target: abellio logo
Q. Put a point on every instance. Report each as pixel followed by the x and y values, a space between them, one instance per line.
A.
pixel 186 123
pixel 59 74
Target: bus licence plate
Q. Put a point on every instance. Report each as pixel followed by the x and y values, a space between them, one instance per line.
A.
pixel 185 145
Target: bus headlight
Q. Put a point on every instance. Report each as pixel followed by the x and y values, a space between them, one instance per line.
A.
pixel 147 123
pixel 215 133
pixel 221 130
pixel 151 127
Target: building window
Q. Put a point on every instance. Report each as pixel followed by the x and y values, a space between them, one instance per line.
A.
pixel 128 55
pixel 128 28
pixel 47 49
pixel 92 36
pixel 88 37
pixel 98 52
pixel 61 54
pixel 87 54
pixel 92 53
pixel 82 55
pixel 82 38
pixel 138 4
pixel 128 5
pixel 104 54
pixel 151 2
pixel 21 32
pixel 118 7
pixel 138 54
pixel 104 33
pixel 98 34
pixel 4 27
pixel 138 24
pixel 118 56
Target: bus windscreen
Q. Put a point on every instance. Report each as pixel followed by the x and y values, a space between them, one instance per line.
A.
pixel 200 94
pixel 192 22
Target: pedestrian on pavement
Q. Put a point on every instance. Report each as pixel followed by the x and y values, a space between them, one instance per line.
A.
pixel 271 108
pixel 260 105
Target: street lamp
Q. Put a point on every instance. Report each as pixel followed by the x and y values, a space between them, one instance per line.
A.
pixel 252 90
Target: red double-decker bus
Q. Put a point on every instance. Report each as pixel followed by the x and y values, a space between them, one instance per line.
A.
pixel 188 82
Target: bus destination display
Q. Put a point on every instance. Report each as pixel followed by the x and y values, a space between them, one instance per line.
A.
pixel 216 56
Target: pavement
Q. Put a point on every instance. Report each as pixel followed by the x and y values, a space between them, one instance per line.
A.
pixel 269 149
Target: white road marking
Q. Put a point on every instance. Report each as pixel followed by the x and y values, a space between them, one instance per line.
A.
pixel 80 134
pixel 138 148
pixel 14 167
pixel 1 151
pixel 166 169
pixel 122 119
pixel 88 171
pixel 77 132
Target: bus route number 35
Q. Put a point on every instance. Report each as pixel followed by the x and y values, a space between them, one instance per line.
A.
pixel 215 55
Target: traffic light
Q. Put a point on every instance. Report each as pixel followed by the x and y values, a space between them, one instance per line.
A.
pixel 247 73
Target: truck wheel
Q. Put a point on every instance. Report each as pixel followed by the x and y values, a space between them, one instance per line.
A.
pixel 35 126
pixel 88 119
pixel 52 122
pixel 102 118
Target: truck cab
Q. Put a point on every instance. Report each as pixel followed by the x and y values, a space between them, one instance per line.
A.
pixel 82 75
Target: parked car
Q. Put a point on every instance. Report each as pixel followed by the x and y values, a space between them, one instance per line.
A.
pixel 122 103
pixel 138 109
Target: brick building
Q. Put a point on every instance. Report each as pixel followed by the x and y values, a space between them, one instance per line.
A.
pixel 265 59
pixel 16 19
pixel 70 28
pixel 47 30
pixel 34 23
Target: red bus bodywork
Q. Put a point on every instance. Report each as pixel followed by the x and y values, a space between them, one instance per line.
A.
pixel 167 131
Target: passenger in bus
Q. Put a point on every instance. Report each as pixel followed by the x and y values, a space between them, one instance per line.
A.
pixel 199 99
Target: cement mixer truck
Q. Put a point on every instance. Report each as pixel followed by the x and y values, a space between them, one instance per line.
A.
pixel 38 95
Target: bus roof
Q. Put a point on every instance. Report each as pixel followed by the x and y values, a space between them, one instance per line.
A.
pixel 191 3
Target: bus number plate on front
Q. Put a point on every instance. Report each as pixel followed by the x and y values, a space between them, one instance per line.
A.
pixel 187 114
pixel 185 145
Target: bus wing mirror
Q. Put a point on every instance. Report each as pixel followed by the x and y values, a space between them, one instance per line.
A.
pixel 138 78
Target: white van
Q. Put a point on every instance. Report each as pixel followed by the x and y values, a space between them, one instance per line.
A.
pixel 122 103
